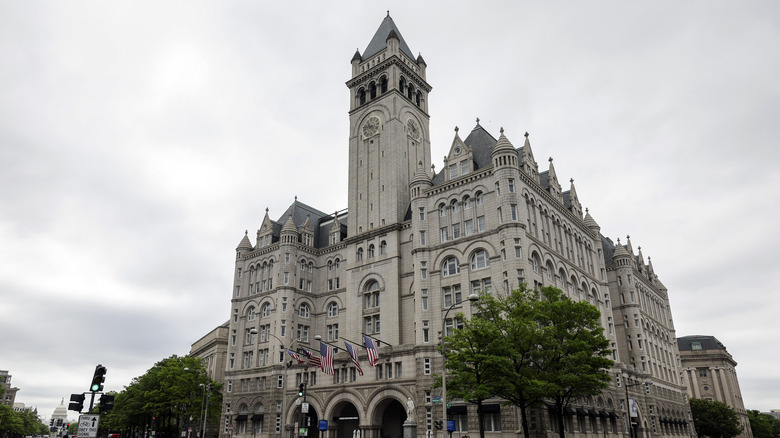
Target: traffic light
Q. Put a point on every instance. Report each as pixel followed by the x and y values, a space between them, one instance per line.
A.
pixel 98 379
pixel 301 389
pixel 76 402
pixel 51 422
pixel 439 424
pixel 647 387
pixel 106 403
pixel 617 380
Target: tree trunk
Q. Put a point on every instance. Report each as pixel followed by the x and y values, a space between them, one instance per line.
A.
pixel 524 422
pixel 481 419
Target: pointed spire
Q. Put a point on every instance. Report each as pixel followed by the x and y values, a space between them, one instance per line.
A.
pixel 356 56
pixel 387 29
pixel 420 176
pixel 528 163
pixel 590 222
pixel 245 244
pixel 619 251
pixel 503 146
pixel 576 207
pixel 629 248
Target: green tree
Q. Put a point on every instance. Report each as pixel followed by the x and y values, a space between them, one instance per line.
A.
pixel 473 359
pixel 714 419
pixel 536 345
pixel 762 425
pixel 165 398
pixel 572 359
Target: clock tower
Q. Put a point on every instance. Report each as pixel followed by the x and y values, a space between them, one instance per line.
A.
pixel 389 136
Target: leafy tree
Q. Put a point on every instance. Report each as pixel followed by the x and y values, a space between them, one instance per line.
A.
pixel 18 424
pixel 165 397
pixel 572 357
pixel 473 358
pixel 762 425
pixel 714 419
pixel 533 345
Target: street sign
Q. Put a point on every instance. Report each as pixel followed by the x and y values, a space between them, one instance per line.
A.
pixel 305 408
pixel 450 425
pixel 436 399
pixel 88 426
pixel 323 425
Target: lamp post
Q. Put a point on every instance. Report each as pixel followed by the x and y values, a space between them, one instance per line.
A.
pixel 631 429
pixel 204 412
pixel 472 298
pixel 253 331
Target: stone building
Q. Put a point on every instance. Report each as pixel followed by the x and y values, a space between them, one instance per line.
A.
pixel 212 348
pixel 399 263
pixel 710 373
pixel 8 391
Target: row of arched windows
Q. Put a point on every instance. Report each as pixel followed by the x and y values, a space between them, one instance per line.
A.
pixel 375 89
pixel 371 251
pixel 559 278
pixel 303 311
pixel 479 259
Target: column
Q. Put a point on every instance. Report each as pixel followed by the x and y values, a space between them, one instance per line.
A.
pixel 716 385
pixel 725 382
pixel 693 381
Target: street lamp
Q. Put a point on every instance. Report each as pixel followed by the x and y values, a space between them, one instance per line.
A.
pixel 472 298
pixel 253 331
pixel 204 413
pixel 631 429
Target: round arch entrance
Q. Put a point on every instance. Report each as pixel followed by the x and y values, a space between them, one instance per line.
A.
pixel 345 419
pixel 390 415
pixel 307 424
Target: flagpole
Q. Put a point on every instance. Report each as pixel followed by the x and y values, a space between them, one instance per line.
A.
pixel 378 341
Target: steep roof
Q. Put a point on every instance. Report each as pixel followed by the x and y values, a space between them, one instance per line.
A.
pixel 481 143
pixel 706 342
pixel 379 41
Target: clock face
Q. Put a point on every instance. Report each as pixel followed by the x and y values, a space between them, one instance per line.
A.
pixel 412 129
pixel 371 127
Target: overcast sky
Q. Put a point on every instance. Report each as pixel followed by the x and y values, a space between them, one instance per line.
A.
pixel 138 140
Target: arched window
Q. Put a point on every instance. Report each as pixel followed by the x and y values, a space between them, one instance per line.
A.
pixel 265 311
pixel 418 98
pixel 330 265
pixel 370 250
pixel 410 92
pixel 442 210
pixel 251 314
pixel 479 198
pixel 333 309
pixel 371 295
pixel 383 248
pixel 360 254
pixel 383 84
pixel 362 95
pixel 480 260
pixel 535 262
pixel 372 87
pixel 454 206
pixel 311 266
pixel 303 310
pixel 402 84
pixel 450 267
pixel 336 263
pixel 550 271
pixel 466 203
pixel 303 265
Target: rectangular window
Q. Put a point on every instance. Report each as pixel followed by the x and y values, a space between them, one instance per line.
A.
pixel 455 231
pixel 451 295
pixel 468 227
pixel 379 372
pixel 422 238
pixel 511 185
pixel 453 168
pixel 422 213
pixel 427 366
pixel 424 302
pixel 445 234
pixel 464 167
pixel 481 223
pixel 513 209
pixel 238 291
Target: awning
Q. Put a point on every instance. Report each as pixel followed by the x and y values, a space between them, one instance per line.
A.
pixel 241 417
pixel 257 417
pixel 460 409
pixel 486 409
pixel 581 411
pixel 612 414
pixel 603 414
pixel 569 411
pixel 593 413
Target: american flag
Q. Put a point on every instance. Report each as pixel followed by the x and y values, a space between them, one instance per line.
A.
pixel 294 355
pixel 314 361
pixel 354 357
pixel 373 356
pixel 326 353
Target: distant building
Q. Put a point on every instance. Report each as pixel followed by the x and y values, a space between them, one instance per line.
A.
pixel 9 393
pixel 411 247
pixel 710 373
pixel 212 348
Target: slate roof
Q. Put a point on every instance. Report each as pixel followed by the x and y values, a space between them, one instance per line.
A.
pixel 379 41
pixel 707 343
pixel 481 143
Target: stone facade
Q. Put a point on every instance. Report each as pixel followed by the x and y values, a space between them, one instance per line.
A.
pixel 710 373
pixel 399 264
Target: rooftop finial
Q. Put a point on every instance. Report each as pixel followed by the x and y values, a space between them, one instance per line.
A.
pixel 571 180
pixel 246 232
pixel 477 120
pixel 388 12
pixel 456 129
pixel 502 130
pixel 550 159
pixel 526 134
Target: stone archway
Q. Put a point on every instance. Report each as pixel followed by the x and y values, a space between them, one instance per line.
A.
pixel 308 421
pixel 346 420
pixel 389 416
